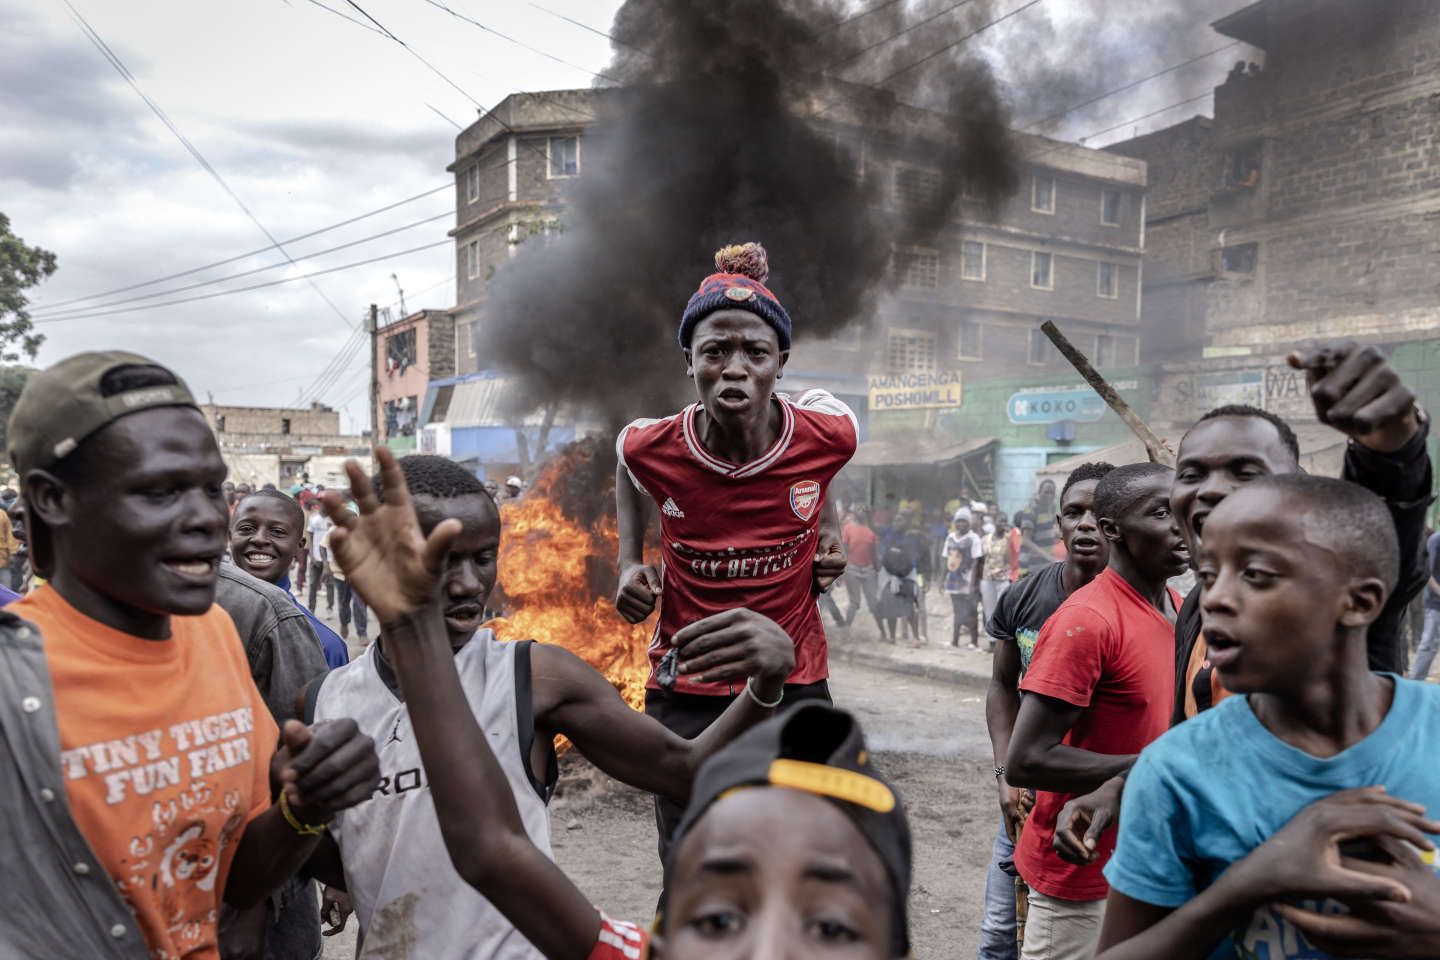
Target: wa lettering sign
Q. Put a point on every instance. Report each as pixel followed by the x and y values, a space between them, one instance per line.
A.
pixel 915 391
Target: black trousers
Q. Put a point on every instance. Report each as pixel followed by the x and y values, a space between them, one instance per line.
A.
pixel 688 714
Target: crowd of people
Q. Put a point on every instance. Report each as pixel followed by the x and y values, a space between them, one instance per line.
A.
pixel 900 553
pixel 1238 772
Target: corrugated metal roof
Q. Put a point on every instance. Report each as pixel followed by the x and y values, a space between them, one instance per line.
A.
pixel 898 453
pixel 476 402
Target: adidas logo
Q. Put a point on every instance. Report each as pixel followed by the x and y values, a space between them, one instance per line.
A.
pixel 672 509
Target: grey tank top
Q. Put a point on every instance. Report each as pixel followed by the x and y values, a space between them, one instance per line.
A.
pixel 409 900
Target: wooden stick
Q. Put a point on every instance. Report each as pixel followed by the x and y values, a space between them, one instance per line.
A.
pixel 1158 450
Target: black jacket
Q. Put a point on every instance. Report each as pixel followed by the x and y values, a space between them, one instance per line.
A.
pixel 1403 480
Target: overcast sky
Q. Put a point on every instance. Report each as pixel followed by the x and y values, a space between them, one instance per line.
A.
pixel 310 120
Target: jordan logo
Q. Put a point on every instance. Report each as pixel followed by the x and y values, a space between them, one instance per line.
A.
pixel 672 509
pixel 394 733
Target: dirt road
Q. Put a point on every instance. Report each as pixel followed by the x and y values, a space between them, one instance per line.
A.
pixel 929 738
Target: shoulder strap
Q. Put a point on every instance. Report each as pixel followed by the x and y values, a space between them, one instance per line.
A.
pixel 525 724
pixel 311 695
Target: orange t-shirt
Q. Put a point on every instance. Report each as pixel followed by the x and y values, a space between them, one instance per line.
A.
pixel 165 752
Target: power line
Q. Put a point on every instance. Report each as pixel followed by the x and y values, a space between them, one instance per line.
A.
pixel 1129 86
pixel 248 273
pixel 194 151
pixel 519 43
pixel 340 365
pixel 895 36
pixel 950 46
pixel 345 16
pixel 583 26
pixel 255 286
pixel 248 253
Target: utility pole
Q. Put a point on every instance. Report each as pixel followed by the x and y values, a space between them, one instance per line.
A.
pixel 373 327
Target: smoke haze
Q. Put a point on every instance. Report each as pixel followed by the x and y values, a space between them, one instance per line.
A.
pixel 707 143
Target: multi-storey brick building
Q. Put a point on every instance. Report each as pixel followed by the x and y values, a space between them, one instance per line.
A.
pixel 405 356
pixel 964 306
pixel 1308 206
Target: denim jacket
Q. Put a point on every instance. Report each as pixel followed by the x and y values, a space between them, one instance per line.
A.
pixel 60 901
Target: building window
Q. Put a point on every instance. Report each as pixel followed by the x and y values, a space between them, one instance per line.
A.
pixel 1239 258
pixel 472 183
pixel 1042 194
pixel 1110 207
pixel 465 340
pixel 284 424
pixel 972 260
pixel 220 423
pixel 917 268
pixel 1042 351
pixel 910 350
pixel 916 186
pixel 1041 271
pixel 564 153
pixel 472 259
pixel 1104 350
pixel 1242 167
pixel 400 351
pixel 967 340
pixel 1107 280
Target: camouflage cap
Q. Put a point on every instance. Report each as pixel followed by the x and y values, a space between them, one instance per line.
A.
pixel 65 403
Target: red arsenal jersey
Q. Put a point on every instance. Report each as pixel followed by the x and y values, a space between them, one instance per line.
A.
pixel 741 535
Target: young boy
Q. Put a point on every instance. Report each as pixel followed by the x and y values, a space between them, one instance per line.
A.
pixel 410 903
pixel 137 758
pixel 791 845
pixel 1294 571
pixel 267 530
pixel 1098 689
pixel 740 481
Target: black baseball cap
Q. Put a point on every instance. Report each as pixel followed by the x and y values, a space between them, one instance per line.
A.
pixel 817 749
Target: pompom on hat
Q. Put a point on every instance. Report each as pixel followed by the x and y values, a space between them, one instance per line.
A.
pixel 738 284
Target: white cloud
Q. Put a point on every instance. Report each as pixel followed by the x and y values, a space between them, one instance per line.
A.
pixel 311 120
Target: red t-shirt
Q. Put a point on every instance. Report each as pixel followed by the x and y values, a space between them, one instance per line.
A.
pixel 741 535
pixel 620 941
pixel 859 544
pixel 1109 651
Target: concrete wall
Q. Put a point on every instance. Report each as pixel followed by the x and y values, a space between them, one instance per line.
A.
pixel 269 421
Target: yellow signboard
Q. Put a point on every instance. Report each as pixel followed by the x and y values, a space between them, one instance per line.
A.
pixel 915 391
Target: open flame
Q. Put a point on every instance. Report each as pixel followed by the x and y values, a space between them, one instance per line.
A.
pixel 558 573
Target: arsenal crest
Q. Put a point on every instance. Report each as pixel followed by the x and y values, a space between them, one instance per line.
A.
pixel 804 498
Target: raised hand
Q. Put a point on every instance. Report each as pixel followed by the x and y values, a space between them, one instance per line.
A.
pixel 639 590
pixel 1356 391
pixel 326 768
pixel 735 645
pixel 388 561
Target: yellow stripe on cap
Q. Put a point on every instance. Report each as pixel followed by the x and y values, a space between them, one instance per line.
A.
pixel 833 782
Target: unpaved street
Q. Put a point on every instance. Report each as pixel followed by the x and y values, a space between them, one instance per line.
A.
pixel 928 737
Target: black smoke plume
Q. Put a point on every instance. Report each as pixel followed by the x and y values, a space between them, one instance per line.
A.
pixel 722 129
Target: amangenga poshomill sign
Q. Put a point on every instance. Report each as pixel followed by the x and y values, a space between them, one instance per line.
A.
pixel 1053 404
pixel 915 391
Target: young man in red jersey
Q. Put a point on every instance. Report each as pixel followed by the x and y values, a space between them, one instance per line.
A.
pixel 740 479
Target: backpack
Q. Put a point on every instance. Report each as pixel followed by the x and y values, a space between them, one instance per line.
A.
pixel 897 562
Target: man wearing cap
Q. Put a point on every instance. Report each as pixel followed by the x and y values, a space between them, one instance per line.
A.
pixel 963 553
pixel 514 486
pixel 740 481
pixel 126 688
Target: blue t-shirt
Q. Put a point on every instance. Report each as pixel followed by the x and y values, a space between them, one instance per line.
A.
pixel 1217 786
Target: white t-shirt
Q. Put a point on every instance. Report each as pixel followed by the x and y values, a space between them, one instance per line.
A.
pixel 319 526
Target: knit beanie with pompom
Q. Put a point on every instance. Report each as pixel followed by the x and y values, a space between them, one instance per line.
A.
pixel 738 284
